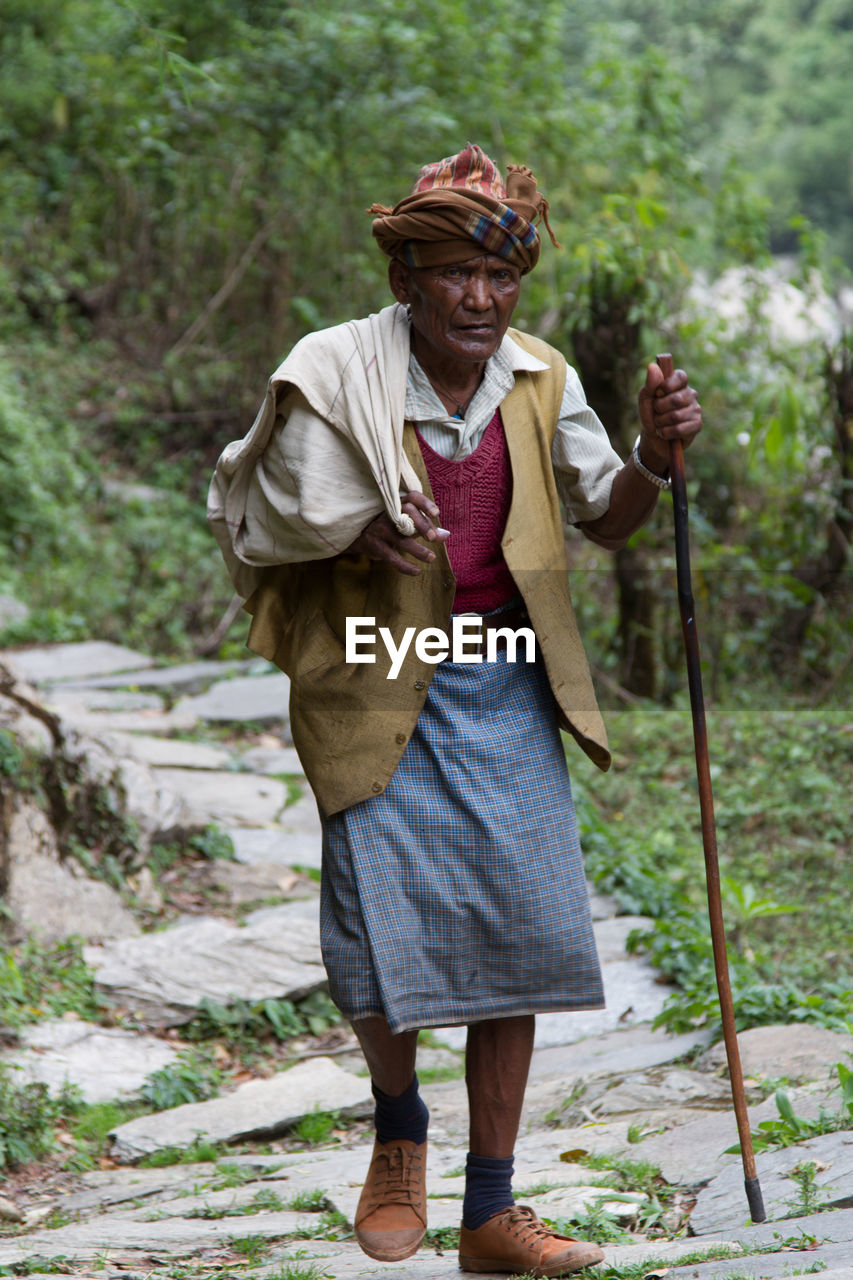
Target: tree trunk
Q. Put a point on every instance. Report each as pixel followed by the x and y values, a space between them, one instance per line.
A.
pixel 607 354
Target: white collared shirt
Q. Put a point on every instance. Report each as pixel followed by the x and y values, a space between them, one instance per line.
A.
pixel 583 458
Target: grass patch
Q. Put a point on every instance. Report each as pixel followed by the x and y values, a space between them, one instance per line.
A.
pixel 199 1152
pixel 229 1174
pixel 28 1117
pixel 253 1248
pixel 316 1128
pixel 315 1201
pixel 442 1239
pixel 331 1225
pixel 38 982
pixel 193 1077
pixel 780 778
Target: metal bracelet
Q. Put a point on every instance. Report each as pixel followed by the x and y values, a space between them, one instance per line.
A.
pixel 660 482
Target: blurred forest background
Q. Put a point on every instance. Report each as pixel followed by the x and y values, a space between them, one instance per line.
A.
pixel 182 195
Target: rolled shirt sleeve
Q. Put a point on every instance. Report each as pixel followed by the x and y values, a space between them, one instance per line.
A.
pixel 583 458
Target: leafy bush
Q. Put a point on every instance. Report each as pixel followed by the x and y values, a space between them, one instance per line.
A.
pixel 194 1077
pixel 243 1020
pixel 39 981
pixel 28 1115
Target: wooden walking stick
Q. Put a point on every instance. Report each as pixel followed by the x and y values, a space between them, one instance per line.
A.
pixel 706 808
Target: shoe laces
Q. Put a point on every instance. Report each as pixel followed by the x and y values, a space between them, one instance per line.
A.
pixel 396 1177
pixel 522 1221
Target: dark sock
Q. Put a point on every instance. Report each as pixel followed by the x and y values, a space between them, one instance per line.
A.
pixel 405 1116
pixel 488 1189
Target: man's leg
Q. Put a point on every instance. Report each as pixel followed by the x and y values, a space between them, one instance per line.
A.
pixel 497 1061
pixel 496 1234
pixel 390 1059
pixel 390 1221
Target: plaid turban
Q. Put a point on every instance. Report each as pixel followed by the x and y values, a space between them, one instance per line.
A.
pixel 462 202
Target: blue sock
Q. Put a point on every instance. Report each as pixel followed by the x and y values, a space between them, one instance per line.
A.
pixel 488 1189
pixel 405 1116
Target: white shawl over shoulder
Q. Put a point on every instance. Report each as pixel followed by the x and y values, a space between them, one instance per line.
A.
pixel 288 492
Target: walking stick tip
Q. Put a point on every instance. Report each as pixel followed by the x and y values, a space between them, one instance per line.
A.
pixel 755 1200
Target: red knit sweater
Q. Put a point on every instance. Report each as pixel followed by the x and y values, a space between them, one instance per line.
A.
pixel 473 497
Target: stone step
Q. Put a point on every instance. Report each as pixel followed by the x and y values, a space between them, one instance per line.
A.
pixel 259 1110
pixel 276 955
pixel 47 664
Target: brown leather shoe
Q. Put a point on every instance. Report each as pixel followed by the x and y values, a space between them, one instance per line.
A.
pixel 515 1241
pixel 390 1221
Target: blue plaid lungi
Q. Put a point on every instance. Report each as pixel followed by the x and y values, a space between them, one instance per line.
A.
pixel 458 894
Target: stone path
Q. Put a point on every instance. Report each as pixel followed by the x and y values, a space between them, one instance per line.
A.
pixel 602 1084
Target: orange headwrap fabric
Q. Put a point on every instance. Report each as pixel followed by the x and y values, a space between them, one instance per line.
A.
pixel 459 204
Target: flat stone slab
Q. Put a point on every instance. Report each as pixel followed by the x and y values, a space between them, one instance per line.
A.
pixel 254 845
pixel 795 1053
pixel 168 753
pixel 777 1266
pixel 104 1063
pixel 164 976
pixel 618 1052
pixel 99 1239
pixel 48 664
pixel 721 1206
pixel 56 900
pixel 693 1153
pixel 657 1090
pixel 273 760
pixel 225 797
pixel 75 703
pixel 246 883
pixel 259 699
pixel 188 677
pixel 258 1110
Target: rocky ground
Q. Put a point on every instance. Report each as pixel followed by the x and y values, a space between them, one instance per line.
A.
pixel 181 747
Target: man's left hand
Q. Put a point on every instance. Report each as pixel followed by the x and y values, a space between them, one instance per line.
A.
pixel 669 410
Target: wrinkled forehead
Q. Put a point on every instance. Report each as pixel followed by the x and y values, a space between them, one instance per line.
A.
pixel 473 261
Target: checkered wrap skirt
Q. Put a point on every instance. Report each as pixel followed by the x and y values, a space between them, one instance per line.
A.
pixel 458 894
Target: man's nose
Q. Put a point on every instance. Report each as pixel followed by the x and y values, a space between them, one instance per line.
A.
pixel 477 293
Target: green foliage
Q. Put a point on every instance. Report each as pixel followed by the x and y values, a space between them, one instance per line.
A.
pixel 778 776
pixel 193 1077
pixel 198 1152
pixel 309 1202
pixel 299 1271
pixel 90 1125
pixel 253 1248
pixel 213 843
pixel 230 1174
pixel 791 1128
pixel 594 1223
pixel 331 1225
pixel 38 981
pixel 316 1128
pixel 28 1116
pixel 11 755
pixel 246 1023
pixel 442 1239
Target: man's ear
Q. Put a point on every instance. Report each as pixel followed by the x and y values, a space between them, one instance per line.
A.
pixel 398 279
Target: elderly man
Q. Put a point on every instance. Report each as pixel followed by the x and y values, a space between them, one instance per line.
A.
pixel 406 470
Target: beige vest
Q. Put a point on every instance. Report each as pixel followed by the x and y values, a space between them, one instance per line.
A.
pixel 350 723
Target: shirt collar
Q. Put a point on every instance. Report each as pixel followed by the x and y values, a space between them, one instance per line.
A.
pixel 422 402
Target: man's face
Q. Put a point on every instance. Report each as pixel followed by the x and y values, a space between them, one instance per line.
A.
pixel 460 310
